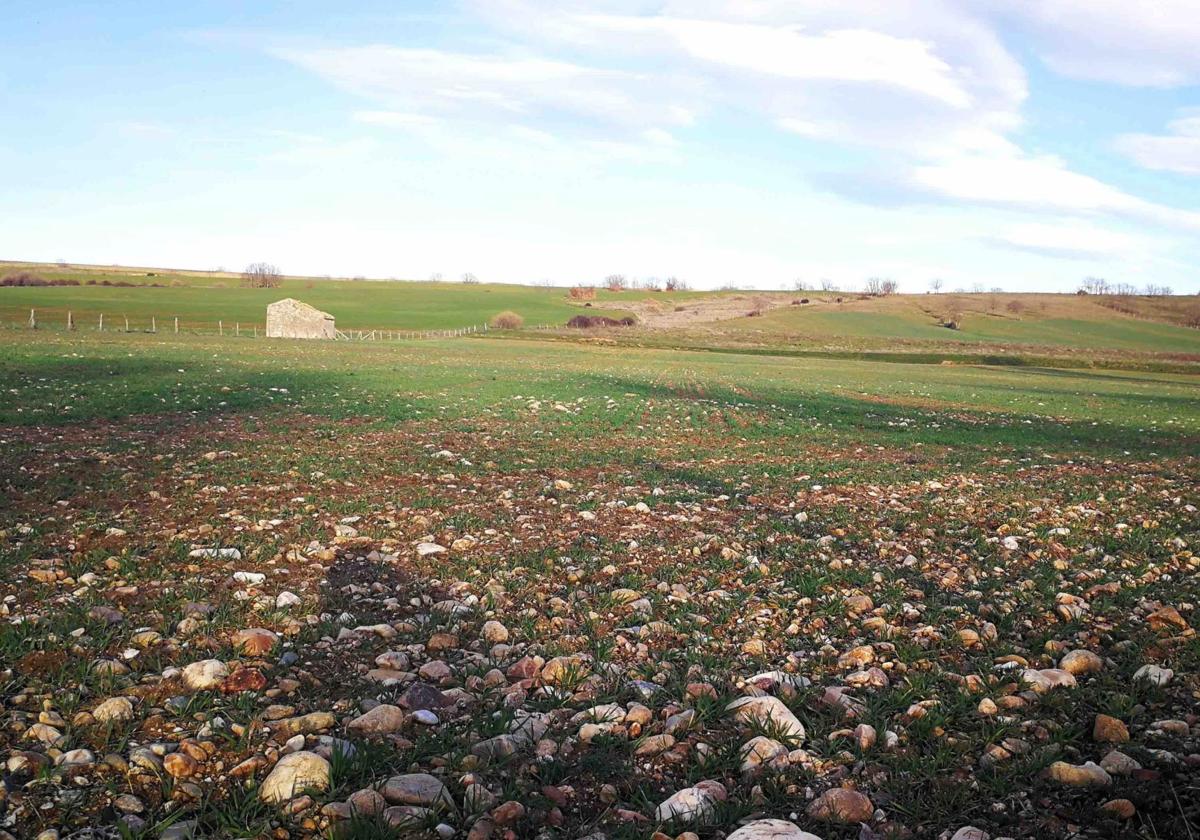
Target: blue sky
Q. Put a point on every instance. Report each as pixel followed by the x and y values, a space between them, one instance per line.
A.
pixel 1017 144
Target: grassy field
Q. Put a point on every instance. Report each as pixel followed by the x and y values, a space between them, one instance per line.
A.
pixel 544 573
pixel 1059 325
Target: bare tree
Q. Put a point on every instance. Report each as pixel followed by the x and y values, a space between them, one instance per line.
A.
pixel 799 285
pixel 470 279
pixel 827 285
pixel 881 286
pixel 261 275
pixel 615 282
pixel 676 284
pixel 436 277
pixel 936 284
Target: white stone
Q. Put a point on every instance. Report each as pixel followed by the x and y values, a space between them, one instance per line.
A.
pixel 294 774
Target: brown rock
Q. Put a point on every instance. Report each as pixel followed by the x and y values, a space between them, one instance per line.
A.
pixel 1118 809
pixel 256 641
pixel 841 805
pixel 244 679
pixel 1110 730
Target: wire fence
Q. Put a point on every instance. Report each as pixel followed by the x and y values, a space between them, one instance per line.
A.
pixel 174 325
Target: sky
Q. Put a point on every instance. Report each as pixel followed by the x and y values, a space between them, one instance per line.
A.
pixel 1020 144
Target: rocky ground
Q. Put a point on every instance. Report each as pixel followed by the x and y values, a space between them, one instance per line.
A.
pixel 320 630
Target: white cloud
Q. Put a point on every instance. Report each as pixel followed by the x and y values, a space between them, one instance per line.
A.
pixel 1176 151
pixel 1150 44
pixel 844 55
pixel 1067 240
pixel 492 86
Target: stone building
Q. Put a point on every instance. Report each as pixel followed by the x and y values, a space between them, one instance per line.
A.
pixel 290 318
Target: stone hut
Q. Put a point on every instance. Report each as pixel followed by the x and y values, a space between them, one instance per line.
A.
pixel 290 318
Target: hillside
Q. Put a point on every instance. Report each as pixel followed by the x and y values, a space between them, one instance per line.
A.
pixel 1055 324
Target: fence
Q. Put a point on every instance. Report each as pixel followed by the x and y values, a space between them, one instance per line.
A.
pixel 173 325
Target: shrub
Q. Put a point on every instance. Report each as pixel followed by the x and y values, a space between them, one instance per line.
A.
pixel 582 293
pixel 507 321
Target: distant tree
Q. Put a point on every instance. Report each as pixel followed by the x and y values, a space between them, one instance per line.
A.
pixel 827 285
pixel 675 284
pixel 881 286
pixel 615 282
pixel 1096 286
pixel 470 279
pixel 436 277
pixel 799 285
pixel 936 284
pixel 1015 306
pixel 261 275
pixel 1158 291
pixel 976 288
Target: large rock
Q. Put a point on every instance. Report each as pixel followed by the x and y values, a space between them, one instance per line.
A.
pixel 1048 679
pixel 694 804
pixel 841 805
pixel 771 830
pixel 384 719
pixel 1083 775
pixel 255 641
pixel 205 675
pixel 769 712
pixel 294 774
pixel 1080 662
pixel 416 789
pixel 113 710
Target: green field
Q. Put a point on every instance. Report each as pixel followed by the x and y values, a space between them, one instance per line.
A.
pixel 1061 325
pixel 605 545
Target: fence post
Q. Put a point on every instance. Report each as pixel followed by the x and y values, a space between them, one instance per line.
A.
pixel 70 321
pixel 221 327
pixel 256 330
pixel 153 324
pixel 32 320
pixel 126 323
pixel 177 325
pixel 101 322
pixel 237 328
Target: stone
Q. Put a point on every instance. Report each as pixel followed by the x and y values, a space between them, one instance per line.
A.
pixel 771 830
pixel 205 675
pixel 841 805
pixel 285 600
pixel 692 804
pixel 1154 675
pixel 1118 763
pixel 255 641
pixel 384 719
pixel 1047 679
pixel 1109 730
pixel 180 765
pixel 1089 774
pixel 113 710
pixel 494 633
pixel 654 744
pixel 1080 662
pixel 760 750
pixel 291 318
pixel 508 813
pixel 1118 809
pixel 303 724
pixel 416 789
pixel 970 832
pixel 244 679
pixel 422 695
pixel 769 712
pixel 294 774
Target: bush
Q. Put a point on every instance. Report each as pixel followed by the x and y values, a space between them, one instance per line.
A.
pixel 507 321
pixel 28 278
